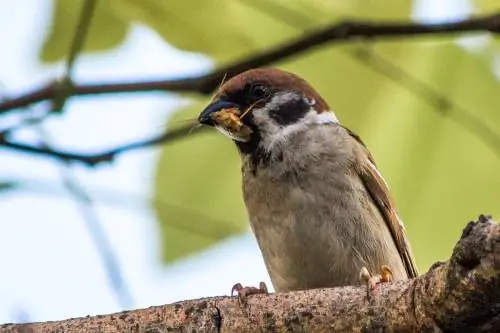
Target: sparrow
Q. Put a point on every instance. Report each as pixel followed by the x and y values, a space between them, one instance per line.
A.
pixel 318 206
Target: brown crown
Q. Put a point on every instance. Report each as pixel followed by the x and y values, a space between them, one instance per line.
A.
pixel 274 78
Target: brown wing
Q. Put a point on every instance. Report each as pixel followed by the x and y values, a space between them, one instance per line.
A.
pixel 379 191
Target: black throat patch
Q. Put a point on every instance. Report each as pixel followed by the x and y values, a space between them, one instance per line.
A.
pixel 258 156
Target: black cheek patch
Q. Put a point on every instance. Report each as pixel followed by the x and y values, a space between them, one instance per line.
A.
pixel 290 112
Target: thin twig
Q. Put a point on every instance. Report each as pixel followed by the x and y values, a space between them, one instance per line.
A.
pixel 205 84
pixel 129 201
pixel 104 156
pixel 82 28
pixel 75 189
pixel 93 223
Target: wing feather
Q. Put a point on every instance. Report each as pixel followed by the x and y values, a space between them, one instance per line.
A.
pixel 379 191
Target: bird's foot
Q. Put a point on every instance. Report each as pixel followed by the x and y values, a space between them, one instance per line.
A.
pixel 243 292
pixel 373 281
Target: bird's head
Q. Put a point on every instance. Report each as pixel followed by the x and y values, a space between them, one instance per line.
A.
pixel 260 108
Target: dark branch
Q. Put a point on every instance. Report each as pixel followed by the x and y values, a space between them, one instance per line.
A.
pixel 104 156
pixel 206 84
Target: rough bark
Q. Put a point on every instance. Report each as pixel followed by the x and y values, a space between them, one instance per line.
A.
pixel 460 295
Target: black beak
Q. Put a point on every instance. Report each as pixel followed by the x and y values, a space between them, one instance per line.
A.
pixel 205 116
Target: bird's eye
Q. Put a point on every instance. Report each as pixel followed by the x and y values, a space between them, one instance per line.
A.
pixel 258 91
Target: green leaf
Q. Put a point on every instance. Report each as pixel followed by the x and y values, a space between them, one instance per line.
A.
pixel 228 29
pixel 487 6
pixel 106 31
pixel 225 29
pixel 201 175
pixel 186 229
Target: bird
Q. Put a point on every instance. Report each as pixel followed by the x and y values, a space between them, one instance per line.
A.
pixel 320 210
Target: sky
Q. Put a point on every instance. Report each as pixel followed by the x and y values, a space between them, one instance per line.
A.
pixel 50 268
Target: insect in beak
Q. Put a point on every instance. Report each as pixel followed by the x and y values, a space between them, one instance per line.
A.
pixel 226 118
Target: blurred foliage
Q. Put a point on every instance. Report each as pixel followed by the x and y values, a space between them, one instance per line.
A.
pixel 107 29
pixel 441 175
pixel 7 185
pixel 486 6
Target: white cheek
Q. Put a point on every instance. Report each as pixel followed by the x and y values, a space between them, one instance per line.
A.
pixel 327 117
pixel 259 117
pixel 262 119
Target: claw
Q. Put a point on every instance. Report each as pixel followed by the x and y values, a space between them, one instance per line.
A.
pixel 386 273
pixel 373 281
pixel 243 292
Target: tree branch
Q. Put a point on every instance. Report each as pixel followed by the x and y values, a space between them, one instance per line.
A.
pixel 103 156
pixel 460 295
pixel 206 84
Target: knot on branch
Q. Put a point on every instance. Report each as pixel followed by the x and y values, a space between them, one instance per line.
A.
pixel 62 89
pixel 480 240
pixel 469 296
